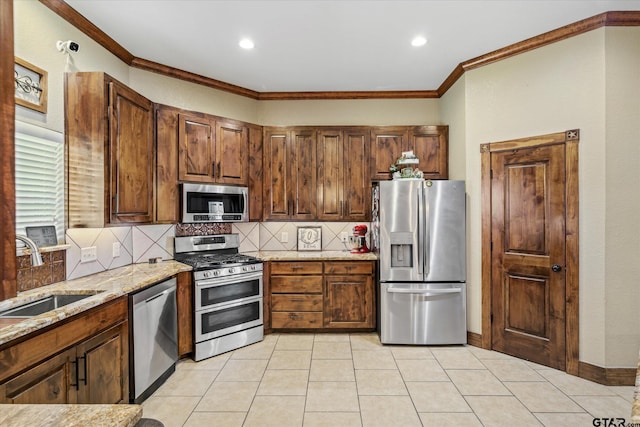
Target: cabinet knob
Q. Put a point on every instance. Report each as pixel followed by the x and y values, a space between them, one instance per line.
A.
pixel 556 268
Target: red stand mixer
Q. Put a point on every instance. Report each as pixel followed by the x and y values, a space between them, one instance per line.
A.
pixel 358 241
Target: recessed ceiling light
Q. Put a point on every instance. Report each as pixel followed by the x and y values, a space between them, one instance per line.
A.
pixel 246 44
pixel 418 41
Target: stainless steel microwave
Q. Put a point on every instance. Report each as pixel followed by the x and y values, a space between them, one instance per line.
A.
pixel 214 203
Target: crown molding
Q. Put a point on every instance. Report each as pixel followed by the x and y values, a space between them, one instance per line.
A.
pixel 615 18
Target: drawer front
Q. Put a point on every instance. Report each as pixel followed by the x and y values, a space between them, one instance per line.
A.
pixel 296 284
pixel 362 267
pixel 296 319
pixel 303 267
pixel 296 302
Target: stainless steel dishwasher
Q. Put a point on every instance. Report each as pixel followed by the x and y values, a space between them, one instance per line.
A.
pixel 154 347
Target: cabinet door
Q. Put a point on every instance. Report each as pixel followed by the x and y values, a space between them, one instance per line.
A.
pixel 430 145
pixel 387 144
pixel 231 153
pixel 196 137
pixel 348 302
pixel 184 302
pixel 255 173
pixel 167 189
pixel 103 367
pixel 356 183
pixel 330 175
pixel 276 179
pixel 52 381
pixel 132 160
pixel 303 189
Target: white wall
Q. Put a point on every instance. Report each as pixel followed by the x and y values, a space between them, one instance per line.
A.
pixel 622 212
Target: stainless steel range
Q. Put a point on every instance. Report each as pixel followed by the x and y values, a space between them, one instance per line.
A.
pixel 228 293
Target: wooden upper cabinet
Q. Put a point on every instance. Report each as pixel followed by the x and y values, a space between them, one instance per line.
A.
pixel 212 150
pixel 231 152
pixel 357 182
pixel 387 145
pixel 289 174
pixel 131 153
pixel 167 189
pixel 255 177
pixel 110 157
pixel 430 145
pixel 196 136
pixel 343 175
pixel 276 174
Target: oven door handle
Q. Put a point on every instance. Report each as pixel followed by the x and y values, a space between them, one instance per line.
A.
pixel 220 281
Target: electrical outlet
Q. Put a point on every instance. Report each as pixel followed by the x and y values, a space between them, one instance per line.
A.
pixel 116 249
pixel 344 237
pixel 284 237
pixel 88 254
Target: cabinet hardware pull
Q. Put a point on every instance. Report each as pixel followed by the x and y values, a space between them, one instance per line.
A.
pixel 341 209
pixel 77 383
pixel 84 380
pixel 297 267
pixel 213 169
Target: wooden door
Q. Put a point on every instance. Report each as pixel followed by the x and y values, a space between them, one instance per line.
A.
pixel 528 257
pixel 196 137
pixel 356 183
pixel 330 175
pixel 132 159
pixel 51 382
pixel 104 367
pixel 387 144
pixel 430 145
pixel 276 176
pixel 303 174
pixel 231 153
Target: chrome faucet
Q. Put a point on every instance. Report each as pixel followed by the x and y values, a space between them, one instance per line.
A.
pixel 36 258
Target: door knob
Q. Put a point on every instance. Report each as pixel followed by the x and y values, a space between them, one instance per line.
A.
pixel 556 268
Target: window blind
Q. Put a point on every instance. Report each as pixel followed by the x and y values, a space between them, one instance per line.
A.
pixel 39 156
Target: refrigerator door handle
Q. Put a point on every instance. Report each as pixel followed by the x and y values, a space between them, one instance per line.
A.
pixel 421 207
pixel 426 234
pixel 427 292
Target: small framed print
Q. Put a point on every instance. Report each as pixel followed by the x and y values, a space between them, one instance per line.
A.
pixel 309 238
pixel 30 85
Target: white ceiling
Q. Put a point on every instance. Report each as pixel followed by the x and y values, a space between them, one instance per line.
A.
pixel 323 45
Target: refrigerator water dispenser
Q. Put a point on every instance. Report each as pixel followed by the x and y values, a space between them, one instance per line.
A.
pixel 401 249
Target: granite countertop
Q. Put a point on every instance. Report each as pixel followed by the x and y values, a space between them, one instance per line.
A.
pixel 312 256
pixel 106 286
pixel 70 415
pixel 635 409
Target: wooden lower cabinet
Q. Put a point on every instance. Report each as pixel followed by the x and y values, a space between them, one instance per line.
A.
pixel 84 360
pixel 322 295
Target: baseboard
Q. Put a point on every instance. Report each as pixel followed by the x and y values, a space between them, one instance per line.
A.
pixel 474 339
pixel 598 374
pixel 607 376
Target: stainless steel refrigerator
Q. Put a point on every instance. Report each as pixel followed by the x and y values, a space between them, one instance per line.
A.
pixel 420 227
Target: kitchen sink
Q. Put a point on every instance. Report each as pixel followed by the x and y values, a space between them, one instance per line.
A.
pixel 43 305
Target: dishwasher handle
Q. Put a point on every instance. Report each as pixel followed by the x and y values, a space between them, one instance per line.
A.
pixel 427 292
pixel 148 300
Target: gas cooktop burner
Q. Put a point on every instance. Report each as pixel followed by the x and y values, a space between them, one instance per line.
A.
pixel 211 261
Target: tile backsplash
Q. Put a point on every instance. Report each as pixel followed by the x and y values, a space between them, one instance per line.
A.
pixel 139 243
pixel 267 236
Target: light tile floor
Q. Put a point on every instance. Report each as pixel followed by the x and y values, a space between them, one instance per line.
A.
pixel 352 380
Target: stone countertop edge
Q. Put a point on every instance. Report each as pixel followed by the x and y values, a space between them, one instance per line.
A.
pixel 59 247
pixel 107 285
pixel 312 256
pixel 16 415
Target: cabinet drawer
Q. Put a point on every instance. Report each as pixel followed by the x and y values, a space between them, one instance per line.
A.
pixel 296 302
pixel 296 267
pixel 296 284
pixel 296 319
pixel 348 267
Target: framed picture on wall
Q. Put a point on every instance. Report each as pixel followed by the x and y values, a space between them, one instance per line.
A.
pixel 309 238
pixel 30 85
